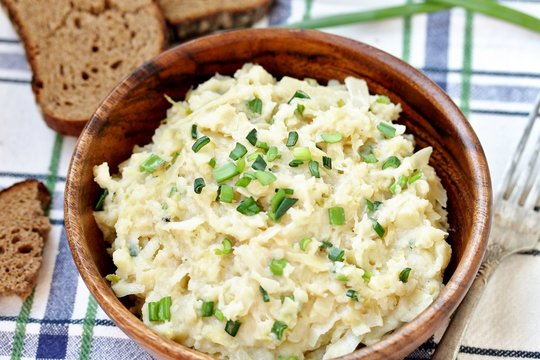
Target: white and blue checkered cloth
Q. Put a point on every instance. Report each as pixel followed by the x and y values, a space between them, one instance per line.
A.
pixel 491 70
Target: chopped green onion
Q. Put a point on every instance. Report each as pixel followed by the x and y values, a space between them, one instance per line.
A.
pixel 399 183
pixel 219 315
pixel 226 193
pixel 387 130
pixel 253 156
pixel 153 311
pixel 238 151
pixel 392 162
pixel 174 156
pixel 264 294
pixel 352 294
pixel 336 215
pixel 252 137
pixel 198 145
pixel 240 165
pixel 227 247
pixel 327 162
pixel 277 199
pixel 255 105
pixel 336 254
pixel 299 94
pixel 272 154
pixel 194 131
pixel 285 205
pixel 373 206
pixel 151 164
pixel 366 276
pixel 243 181
pixel 277 266
pixel 265 177
pixel 232 327
pixel 302 153
pixel 101 200
pixel 341 277
pixel 207 309
pixel 248 207
pixel 404 275
pixel 113 278
pixel 304 243
pixel 300 109
pixel 292 138
pixel 295 163
pixel 383 99
pixel 173 190
pixel 325 245
pixel 332 137
pixel 415 176
pixel 262 145
pixel 314 168
pixel 340 103
pixel 160 310
pixel 133 250
pixel 288 191
pixel 378 228
pixel 212 162
pixel 278 328
pixel 198 185
pixel 225 172
pixel 259 163
pixel 368 156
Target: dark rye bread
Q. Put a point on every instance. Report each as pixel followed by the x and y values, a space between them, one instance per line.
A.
pixel 189 18
pixel 23 230
pixel 80 49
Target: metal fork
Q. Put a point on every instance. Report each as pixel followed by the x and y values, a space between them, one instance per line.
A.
pixel 516 227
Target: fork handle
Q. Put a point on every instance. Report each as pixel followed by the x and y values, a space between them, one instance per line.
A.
pixel 448 347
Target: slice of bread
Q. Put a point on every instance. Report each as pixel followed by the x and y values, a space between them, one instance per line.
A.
pixel 195 17
pixel 23 230
pixel 79 50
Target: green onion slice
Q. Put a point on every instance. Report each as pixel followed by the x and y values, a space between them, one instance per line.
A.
pixel 238 152
pixel 259 163
pixel 332 137
pixel 373 206
pixel 299 94
pixel 225 193
pixel 352 294
pixel 240 165
pixel 227 247
pixel 200 143
pixel 262 145
pixel 101 200
pixel 252 137
pixel 417 174
pixel 336 215
pixel 194 131
pixel 265 177
pixel 264 294
pixel 243 181
pixel 366 276
pixel 198 185
pixel 151 164
pixel 300 109
pixel 368 156
pixel 255 105
pixel 314 168
pixel 341 277
pixel 219 315
pixel 225 172
pixel 112 278
pixel 302 153
pixel 304 243
pixel 272 154
pixel 387 130
pixel 336 254
pixel 327 162
pixel 207 308
pixel 248 207
pixel 277 266
pixel 391 162
pixel 295 163
pixel 399 183
pixel 378 228
pixel 160 310
pixel 383 99
pixel 325 245
pixel 232 327
pixel 278 328
pixel 292 138
pixel 404 275
pixel 285 205
pixel 212 162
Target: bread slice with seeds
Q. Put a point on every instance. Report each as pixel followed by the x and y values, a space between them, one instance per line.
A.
pixel 23 230
pixel 79 50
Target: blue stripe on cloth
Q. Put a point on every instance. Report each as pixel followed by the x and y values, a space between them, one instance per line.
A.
pixel 9 41
pixel 429 70
pixel 437 40
pixel 15 81
pixel 13 62
pixel 23 175
pixel 53 338
pixel 101 322
pixel 502 93
pixel 280 12
pixel 114 348
pixel 6 343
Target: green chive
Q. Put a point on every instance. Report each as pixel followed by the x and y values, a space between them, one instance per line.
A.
pixel 253 156
pixel 302 153
pixel 304 243
pixel 101 200
pixel 292 138
pixel 340 103
pixel 378 228
pixel 194 131
pixel 243 181
pixel 226 193
pixel 325 245
pixel 212 162
pixel 399 183
pixel 278 328
pixel 240 165
pixel 404 275
pixel 198 185
pixel 383 99
pixel 336 215
pixel 264 294
pixel 262 145
pixel 341 277
pixel 198 145
pixel 227 247
pixel 387 130
pixel 336 254
pixel 113 278
pixel 373 206
pixel 232 327
pixel 238 151
pixel 277 266
pixel 219 315
pixel 299 94
pixel 300 109
pixel 314 168
pixel 272 154
pixel 207 309
pixel 295 163
pixel 248 207
pixel 151 164
pixel 259 163
pixel 366 276
pixel 265 177
pixel 277 199
pixel 415 176
pixel 327 162
pixel 160 310
pixel 288 191
pixel 252 137
pixel 153 311
pixel 352 294
pixel 392 162
pixel 368 156
pixel 225 172
pixel 285 205
pixel 255 105
pixel 332 137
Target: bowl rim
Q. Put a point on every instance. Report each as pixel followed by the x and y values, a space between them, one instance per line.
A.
pixel 407 337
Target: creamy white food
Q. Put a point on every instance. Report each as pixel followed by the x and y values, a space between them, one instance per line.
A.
pixel 329 287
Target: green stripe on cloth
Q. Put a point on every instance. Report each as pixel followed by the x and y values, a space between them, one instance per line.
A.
pixel 307 11
pixel 88 328
pixel 24 314
pixel 407 27
pixel 467 64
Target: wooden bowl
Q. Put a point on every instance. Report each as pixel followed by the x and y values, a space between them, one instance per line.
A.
pixel 131 113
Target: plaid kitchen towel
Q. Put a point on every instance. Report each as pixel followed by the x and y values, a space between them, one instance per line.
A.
pixel 491 70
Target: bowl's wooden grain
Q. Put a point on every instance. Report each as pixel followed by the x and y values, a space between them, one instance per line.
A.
pixel 133 110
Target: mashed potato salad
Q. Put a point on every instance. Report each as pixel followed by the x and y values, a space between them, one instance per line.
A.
pixel 276 219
